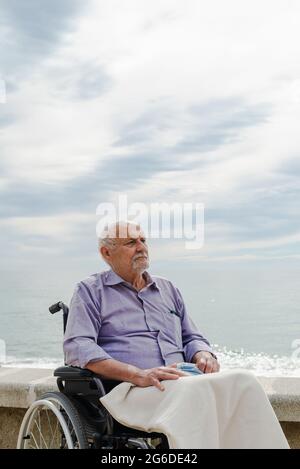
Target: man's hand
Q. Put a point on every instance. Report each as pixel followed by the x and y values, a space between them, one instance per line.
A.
pixel 153 376
pixel 206 362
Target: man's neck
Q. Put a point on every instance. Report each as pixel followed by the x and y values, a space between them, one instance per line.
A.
pixel 137 280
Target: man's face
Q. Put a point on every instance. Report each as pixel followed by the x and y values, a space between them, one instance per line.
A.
pixel 130 254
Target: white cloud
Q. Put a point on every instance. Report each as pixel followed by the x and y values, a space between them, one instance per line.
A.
pixel 53 227
pixel 189 53
pixel 2 91
pixel 163 57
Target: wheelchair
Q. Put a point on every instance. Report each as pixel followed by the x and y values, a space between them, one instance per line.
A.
pixel 74 418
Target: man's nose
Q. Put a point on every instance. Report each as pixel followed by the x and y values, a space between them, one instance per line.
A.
pixel 140 246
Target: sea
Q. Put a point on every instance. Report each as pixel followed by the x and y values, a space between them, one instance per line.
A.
pixel 250 315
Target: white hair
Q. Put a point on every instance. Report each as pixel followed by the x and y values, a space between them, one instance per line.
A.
pixel 118 229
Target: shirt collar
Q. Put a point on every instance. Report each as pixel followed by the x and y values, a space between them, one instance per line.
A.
pixel 111 278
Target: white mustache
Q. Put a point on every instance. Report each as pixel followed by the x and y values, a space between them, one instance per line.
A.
pixel 140 257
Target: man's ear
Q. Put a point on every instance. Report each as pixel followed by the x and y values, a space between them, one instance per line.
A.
pixel 104 252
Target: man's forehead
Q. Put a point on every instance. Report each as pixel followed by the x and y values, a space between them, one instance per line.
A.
pixel 135 235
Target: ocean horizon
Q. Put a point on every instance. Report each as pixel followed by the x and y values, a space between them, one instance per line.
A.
pixel 248 315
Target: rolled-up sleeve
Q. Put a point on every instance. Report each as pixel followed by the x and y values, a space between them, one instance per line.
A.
pixel 192 340
pixel 82 331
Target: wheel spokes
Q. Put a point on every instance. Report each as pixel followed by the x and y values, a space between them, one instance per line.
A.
pixel 48 424
pixel 36 445
pixel 54 434
pixel 47 433
pixel 39 427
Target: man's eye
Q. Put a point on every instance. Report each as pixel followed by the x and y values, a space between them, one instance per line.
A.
pixel 133 242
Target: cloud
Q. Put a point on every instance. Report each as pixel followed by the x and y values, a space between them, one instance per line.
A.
pixel 166 103
pixel 77 80
pixel 291 168
pixel 218 122
pixel 6 118
pixel 92 83
pixel 83 193
pixel 198 129
pixel 31 29
pixel 153 121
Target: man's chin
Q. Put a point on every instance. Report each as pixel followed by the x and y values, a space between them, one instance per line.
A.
pixel 140 265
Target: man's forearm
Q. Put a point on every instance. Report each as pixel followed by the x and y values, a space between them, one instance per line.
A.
pixel 113 369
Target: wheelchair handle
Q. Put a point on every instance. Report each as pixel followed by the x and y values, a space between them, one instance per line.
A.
pixel 58 307
pixel 55 308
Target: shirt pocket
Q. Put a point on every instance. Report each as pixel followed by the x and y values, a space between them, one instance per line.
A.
pixel 173 327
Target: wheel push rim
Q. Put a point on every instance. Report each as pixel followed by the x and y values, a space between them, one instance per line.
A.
pixel 38 432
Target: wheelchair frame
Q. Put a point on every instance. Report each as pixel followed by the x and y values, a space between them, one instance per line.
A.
pixel 80 420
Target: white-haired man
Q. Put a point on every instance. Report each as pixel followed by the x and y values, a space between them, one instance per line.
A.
pixel 129 326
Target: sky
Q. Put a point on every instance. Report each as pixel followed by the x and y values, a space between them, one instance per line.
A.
pixel 164 101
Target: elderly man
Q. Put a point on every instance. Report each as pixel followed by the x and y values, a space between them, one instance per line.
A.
pixel 129 326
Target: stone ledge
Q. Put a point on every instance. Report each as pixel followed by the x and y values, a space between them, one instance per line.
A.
pixel 284 395
pixel 19 387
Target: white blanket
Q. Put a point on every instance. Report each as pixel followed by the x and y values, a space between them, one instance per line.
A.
pixel 221 410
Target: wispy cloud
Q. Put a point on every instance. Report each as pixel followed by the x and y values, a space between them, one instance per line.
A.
pixel 31 30
pixel 199 128
pixel 173 102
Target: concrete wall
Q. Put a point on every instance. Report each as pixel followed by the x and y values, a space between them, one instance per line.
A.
pixel 10 422
pixel 20 387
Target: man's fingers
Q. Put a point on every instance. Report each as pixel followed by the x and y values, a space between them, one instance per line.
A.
pixel 158 384
pixel 202 364
pixel 175 372
pixel 209 366
pixel 163 375
pixel 216 367
pixel 168 373
pixel 169 369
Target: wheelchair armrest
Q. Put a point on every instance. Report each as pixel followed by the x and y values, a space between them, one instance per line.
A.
pixel 74 373
pixel 75 380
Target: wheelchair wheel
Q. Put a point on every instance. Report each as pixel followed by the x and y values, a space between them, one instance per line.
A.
pixel 52 422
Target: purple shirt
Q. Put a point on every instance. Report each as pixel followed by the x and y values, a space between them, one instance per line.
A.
pixel 109 318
